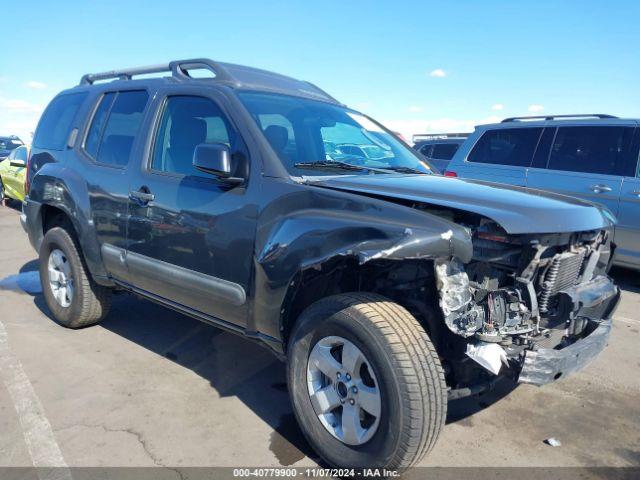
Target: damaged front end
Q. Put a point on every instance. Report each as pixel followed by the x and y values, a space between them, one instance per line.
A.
pixel 533 307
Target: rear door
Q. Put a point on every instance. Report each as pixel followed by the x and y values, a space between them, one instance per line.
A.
pixel 501 155
pixel 107 152
pixel 586 162
pixel 628 229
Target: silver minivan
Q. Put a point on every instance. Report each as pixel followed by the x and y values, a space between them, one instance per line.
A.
pixel 594 157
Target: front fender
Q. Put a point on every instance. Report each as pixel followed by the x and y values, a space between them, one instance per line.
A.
pixel 313 226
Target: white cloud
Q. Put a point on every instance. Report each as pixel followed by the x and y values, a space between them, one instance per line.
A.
pixel 438 72
pixel 19 117
pixel 536 108
pixel 14 105
pixel 496 107
pixel 410 127
pixel 36 85
pixel 415 108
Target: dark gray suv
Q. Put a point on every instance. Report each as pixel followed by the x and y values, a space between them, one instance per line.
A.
pixel 387 289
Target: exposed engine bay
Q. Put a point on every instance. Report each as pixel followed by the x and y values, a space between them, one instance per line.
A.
pixel 520 292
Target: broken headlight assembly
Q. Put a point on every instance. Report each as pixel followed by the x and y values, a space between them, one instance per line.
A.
pixel 475 310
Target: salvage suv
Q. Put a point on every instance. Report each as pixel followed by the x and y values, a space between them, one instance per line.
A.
pixel 389 290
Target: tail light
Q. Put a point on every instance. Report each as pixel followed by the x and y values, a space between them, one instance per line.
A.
pixel 449 173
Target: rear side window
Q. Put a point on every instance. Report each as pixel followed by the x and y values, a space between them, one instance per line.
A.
pixel 600 150
pixel 97 124
pixel 115 126
pixel 509 146
pixel 55 123
pixel 444 151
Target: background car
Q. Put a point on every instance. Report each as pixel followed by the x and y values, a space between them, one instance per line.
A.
pixel 439 152
pixel 594 157
pixel 13 174
pixel 370 152
pixel 8 144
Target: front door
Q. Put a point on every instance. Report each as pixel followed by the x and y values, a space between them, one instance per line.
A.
pixel 190 235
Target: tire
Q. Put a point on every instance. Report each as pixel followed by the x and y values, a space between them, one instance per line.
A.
pixel 406 373
pixel 3 197
pixel 87 302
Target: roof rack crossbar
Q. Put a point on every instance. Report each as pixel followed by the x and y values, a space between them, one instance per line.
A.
pixel 178 68
pixel 554 117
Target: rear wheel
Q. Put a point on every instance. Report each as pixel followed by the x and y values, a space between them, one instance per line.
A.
pixel 71 294
pixel 365 382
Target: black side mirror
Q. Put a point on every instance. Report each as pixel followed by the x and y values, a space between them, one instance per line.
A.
pixel 18 163
pixel 215 159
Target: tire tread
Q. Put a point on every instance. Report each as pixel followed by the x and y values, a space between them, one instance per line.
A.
pixel 424 391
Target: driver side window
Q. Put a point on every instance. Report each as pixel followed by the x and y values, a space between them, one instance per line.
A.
pixel 188 121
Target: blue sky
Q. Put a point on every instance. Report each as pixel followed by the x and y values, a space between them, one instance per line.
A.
pixel 414 65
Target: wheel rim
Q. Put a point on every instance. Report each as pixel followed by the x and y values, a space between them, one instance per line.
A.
pixel 343 389
pixel 60 279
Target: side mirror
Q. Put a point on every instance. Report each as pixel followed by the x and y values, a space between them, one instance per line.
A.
pixel 215 159
pixel 18 163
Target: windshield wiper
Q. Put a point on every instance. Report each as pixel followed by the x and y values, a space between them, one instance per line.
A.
pixel 330 164
pixel 407 170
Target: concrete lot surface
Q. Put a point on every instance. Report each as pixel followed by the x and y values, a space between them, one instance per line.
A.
pixel 150 387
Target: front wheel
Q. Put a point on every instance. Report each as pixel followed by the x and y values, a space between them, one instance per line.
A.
pixel 365 381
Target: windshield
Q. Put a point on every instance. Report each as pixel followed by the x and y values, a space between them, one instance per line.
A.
pixel 317 138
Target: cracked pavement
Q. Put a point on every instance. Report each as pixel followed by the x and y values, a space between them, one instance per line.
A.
pixel 150 387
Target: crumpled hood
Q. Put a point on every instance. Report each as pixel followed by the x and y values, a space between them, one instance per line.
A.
pixel 516 209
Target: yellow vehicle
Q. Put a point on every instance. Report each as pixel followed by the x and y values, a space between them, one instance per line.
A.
pixel 13 174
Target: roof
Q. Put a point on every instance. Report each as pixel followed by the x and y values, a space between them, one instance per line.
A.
pixel 229 74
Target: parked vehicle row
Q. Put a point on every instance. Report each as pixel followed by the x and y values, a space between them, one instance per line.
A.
pixel 595 157
pixel 8 144
pixel 388 289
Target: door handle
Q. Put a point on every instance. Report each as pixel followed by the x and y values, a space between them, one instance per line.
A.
pixel 142 196
pixel 600 188
pixel 636 193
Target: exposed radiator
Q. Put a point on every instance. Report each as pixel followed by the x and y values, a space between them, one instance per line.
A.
pixel 562 274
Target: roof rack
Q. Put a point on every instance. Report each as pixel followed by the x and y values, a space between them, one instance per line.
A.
pixel 178 68
pixel 234 75
pixel 554 117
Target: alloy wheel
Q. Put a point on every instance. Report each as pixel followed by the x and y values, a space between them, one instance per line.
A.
pixel 343 389
pixel 60 278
